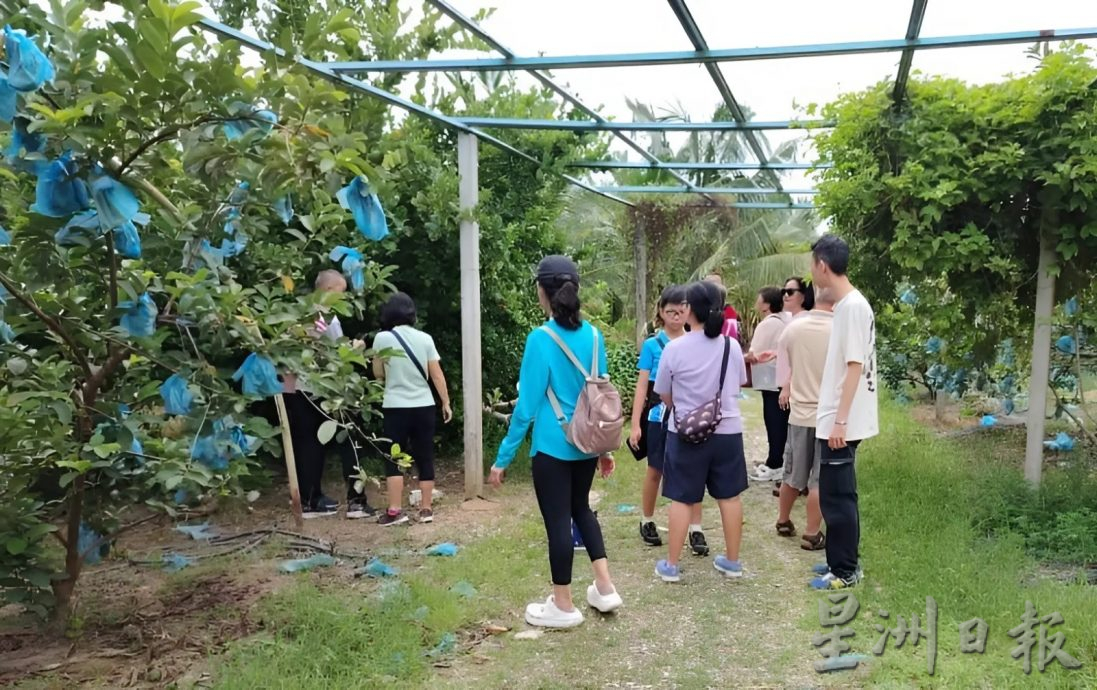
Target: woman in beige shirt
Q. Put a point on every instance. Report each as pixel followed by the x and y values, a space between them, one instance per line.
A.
pixel 770 304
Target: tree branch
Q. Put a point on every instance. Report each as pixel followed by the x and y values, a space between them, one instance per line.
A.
pixel 50 322
pixel 163 135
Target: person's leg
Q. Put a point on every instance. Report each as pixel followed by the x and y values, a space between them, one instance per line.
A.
pixel 650 492
pixel 838 502
pixel 307 450
pixel 677 527
pixel 395 430
pixel 726 480
pixel 815 515
pixel 772 417
pixel 685 468
pixel 731 516
pixel 785 503
pixel 582 476
pixel 421 445
pixel 552 485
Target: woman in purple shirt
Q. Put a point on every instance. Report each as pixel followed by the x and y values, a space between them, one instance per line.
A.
pixel 689 377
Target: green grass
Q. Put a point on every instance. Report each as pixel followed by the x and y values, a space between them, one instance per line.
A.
pixel 925 533
pixel 929 510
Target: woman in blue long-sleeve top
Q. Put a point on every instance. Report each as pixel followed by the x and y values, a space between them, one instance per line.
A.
pixel 562 474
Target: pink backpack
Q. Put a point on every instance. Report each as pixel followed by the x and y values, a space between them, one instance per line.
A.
pixel 599 417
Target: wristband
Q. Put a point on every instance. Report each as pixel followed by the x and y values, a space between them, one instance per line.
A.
pixel 841 423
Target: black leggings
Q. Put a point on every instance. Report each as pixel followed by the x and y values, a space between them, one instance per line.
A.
pixel 563 489
pixel 776 421
pixel 413 429
pixel 309 454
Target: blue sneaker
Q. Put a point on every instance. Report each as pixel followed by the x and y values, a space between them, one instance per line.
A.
pixel 576 538
pixel 820 568
pixel 728 567
pixel 668 572
pixel 832 581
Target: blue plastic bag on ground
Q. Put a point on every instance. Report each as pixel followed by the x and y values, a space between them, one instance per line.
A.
pixel 174 562
pixel 988 420
pixel 378 568
pixel 1061 443
pixel 260 378
pixel 197 532
pixel 301 565
pixel 445 549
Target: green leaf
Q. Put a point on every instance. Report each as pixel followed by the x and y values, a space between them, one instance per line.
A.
pixel 150 60
pixel 326 431
pixel 16 545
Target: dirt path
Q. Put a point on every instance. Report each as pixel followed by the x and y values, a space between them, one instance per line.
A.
pixel 703 632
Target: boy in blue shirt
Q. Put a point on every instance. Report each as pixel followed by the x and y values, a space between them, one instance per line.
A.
pixel 650 430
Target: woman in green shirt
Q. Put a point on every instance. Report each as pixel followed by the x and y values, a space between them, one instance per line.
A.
pixel 409 408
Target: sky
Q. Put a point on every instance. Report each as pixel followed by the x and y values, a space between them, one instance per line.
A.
pixel 773 89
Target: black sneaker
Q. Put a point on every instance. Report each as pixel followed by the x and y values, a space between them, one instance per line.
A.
pixel 698 543
pixel 650 534
pixel 391 518
pixel 358 508
pixel 321 507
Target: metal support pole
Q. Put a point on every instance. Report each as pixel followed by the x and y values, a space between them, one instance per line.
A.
pixel 471 374
pixel 1041 358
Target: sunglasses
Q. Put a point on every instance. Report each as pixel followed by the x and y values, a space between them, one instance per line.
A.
pixel 789 292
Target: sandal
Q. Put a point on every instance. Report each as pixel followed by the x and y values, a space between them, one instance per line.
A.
pixel 786 529
pixel 813 542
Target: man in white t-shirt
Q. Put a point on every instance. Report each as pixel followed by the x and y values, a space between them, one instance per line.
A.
pixel 847 412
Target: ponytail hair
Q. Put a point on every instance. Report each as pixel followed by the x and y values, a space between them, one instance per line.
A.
pixel 707 305
pixel 564 300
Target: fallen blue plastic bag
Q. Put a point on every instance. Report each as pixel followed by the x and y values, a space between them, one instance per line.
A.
pixel 988 420
pixel 378 568
pixel 463 589
pixel 139 319
pixel 626 509
pixel 174 562
pixel 302 565
pixel 444 549
pixel 28 66
pixel 358 197
pixel 1061 443
pixel 197 532
pixel 260 378
pixel 177 397
pixel 446 645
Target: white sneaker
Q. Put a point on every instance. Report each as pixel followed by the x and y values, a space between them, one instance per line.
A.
pixel 606 603
pixel 766 474
pixel 547 615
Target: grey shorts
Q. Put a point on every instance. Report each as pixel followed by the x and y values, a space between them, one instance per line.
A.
pixel 801 458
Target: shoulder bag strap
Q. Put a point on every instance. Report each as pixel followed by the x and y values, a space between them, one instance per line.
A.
pixel 553 400
pixel 660 343
pixel 724 366
pixel 410 354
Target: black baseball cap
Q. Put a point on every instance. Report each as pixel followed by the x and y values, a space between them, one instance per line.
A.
pixel 557 269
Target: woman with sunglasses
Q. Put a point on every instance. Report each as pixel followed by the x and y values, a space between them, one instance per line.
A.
pixel 671 316
pixel 798 297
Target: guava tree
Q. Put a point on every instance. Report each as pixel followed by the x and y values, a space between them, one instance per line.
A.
pixel 991 190
pixel 165 207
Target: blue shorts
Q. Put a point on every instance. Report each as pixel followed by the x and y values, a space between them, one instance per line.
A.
pixel 657 445
pixel 718 464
